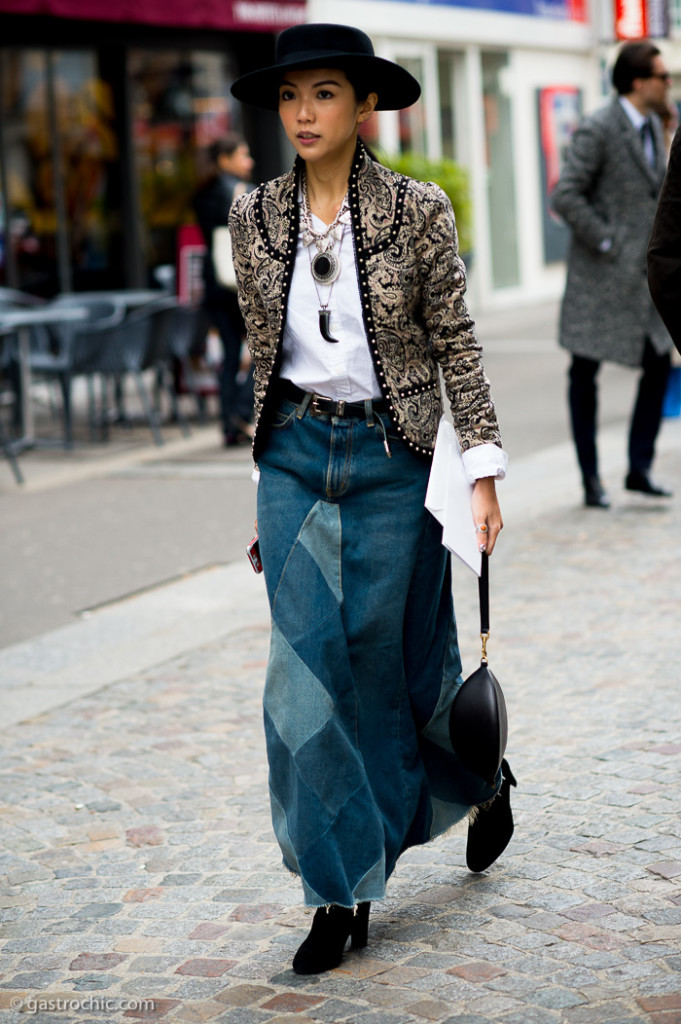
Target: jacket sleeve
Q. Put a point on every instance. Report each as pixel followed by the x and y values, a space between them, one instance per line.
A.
pixel 450 328
pixel 572 196
pixel 250 301
pixel 664 248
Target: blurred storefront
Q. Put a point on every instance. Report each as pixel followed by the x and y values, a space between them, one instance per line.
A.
pixel 504 83
pixel 105 113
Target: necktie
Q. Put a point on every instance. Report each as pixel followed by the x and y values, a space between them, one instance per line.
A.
pixel 648 142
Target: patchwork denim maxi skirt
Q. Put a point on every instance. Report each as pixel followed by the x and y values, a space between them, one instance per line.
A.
pixel 364 661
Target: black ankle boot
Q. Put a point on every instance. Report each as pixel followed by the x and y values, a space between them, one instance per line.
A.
pixel 491 832
pixel 331 927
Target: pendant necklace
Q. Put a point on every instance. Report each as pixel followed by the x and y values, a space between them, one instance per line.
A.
pixel 325 265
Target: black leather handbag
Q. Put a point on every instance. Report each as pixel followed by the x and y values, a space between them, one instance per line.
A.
pixel 478 722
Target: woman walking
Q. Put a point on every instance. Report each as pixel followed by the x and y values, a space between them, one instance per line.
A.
pixel 352 293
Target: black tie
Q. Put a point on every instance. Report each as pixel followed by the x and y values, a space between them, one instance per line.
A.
pixel 648 147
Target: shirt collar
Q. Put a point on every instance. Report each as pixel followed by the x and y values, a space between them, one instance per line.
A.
pixel 635 116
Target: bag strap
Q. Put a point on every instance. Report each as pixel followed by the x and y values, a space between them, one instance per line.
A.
pixel 483 591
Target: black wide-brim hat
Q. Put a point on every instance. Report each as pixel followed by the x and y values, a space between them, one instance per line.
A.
pixel 329 46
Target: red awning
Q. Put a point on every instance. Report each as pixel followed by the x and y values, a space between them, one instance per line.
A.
pixel 244 15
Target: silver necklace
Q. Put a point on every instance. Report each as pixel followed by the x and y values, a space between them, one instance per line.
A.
pixel 324 313
pixel 324 264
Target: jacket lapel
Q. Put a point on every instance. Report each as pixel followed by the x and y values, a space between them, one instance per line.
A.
pixel 635 146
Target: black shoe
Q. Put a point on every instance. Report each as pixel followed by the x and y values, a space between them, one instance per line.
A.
pixel 638 480
pixel 491 832
pixel 594 493
pixel 331 928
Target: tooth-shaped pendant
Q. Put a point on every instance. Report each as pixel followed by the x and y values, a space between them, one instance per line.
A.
pixel 325 325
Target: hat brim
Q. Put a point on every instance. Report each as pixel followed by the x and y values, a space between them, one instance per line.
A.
pixel 395 86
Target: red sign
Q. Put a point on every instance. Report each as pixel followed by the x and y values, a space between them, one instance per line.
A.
pixel 631 20
pixel 640 19
pixel 191 250
pixel 247 15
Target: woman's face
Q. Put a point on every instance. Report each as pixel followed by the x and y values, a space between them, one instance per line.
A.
pixel 321 115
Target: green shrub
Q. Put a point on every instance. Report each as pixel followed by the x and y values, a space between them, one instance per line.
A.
pixel 452 179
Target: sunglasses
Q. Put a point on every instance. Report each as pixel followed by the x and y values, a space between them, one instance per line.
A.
pixel 663 76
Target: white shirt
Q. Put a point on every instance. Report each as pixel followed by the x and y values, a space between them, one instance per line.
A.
pixel 345 370
pixel 342 371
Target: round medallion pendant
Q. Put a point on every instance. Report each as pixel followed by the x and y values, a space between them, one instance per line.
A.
pixel 325 267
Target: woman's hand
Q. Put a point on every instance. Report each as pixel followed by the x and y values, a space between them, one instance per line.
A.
pixel 486 513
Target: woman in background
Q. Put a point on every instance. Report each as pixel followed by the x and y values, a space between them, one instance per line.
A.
pixel 231 169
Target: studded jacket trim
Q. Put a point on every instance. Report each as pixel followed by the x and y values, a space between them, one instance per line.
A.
pixel 411 283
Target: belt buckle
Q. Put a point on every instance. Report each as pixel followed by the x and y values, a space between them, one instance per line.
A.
pixel 314 405
pixel 333 408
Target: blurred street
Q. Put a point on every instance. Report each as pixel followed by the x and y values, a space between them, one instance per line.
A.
pixel 142 879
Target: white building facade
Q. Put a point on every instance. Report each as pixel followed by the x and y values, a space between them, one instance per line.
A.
pixel 504 82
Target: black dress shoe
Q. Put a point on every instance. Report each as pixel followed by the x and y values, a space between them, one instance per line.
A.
pixel 637 480
pixel 594 493
pixel 491 832
pixel 331 928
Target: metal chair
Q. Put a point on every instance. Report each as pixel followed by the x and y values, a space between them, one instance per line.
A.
pixel 64 351
pixel 138 343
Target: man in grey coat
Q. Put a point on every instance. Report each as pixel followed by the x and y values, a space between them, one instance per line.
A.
pixel 607 194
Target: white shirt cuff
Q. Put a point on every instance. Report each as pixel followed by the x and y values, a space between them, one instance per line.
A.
pixel 485 460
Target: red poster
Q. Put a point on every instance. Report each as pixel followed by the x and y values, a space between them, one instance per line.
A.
pixel 190 252
pixel 631 20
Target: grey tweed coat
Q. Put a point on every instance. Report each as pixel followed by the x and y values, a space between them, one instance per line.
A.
pixel 607 190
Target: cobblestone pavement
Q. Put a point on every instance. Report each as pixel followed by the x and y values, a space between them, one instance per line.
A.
pixel 142 880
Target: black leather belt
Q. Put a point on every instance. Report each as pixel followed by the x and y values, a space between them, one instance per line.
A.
pixel 320 406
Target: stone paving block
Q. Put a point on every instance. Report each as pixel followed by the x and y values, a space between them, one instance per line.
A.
pixel 245 995
pixel 197 1011
pixel 477 972
pixel 153 964
pixel 159 1011
pixel 666 869
pixel 208 930
pixel 614 1012
pixel 97 961
pixel 531 1015
pixel 143 895
pixel 244 1016
pixel 291 1002
pixel 430 1009
pixel 334 1010
pixel 206 968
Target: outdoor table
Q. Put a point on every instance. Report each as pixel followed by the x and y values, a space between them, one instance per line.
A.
pixel 19 322
pixel 128 297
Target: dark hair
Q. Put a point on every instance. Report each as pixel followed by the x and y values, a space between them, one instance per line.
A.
pixel 225 146
pixel 635 60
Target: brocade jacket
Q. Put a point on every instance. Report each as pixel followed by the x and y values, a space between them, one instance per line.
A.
pixel 411 283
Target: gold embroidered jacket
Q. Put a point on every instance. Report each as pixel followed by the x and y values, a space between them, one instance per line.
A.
pixel 411 283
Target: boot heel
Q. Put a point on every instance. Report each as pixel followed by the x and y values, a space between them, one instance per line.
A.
pixel 490 833
pixel 359 933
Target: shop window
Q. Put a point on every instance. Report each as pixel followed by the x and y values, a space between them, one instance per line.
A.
pixel 447 69
pixel 412 126
pixel 675 16
pixel 500 171
pixel 59 151
pixel 180 104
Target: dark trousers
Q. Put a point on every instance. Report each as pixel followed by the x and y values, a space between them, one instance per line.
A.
pixel 646 415
pixel 236 398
